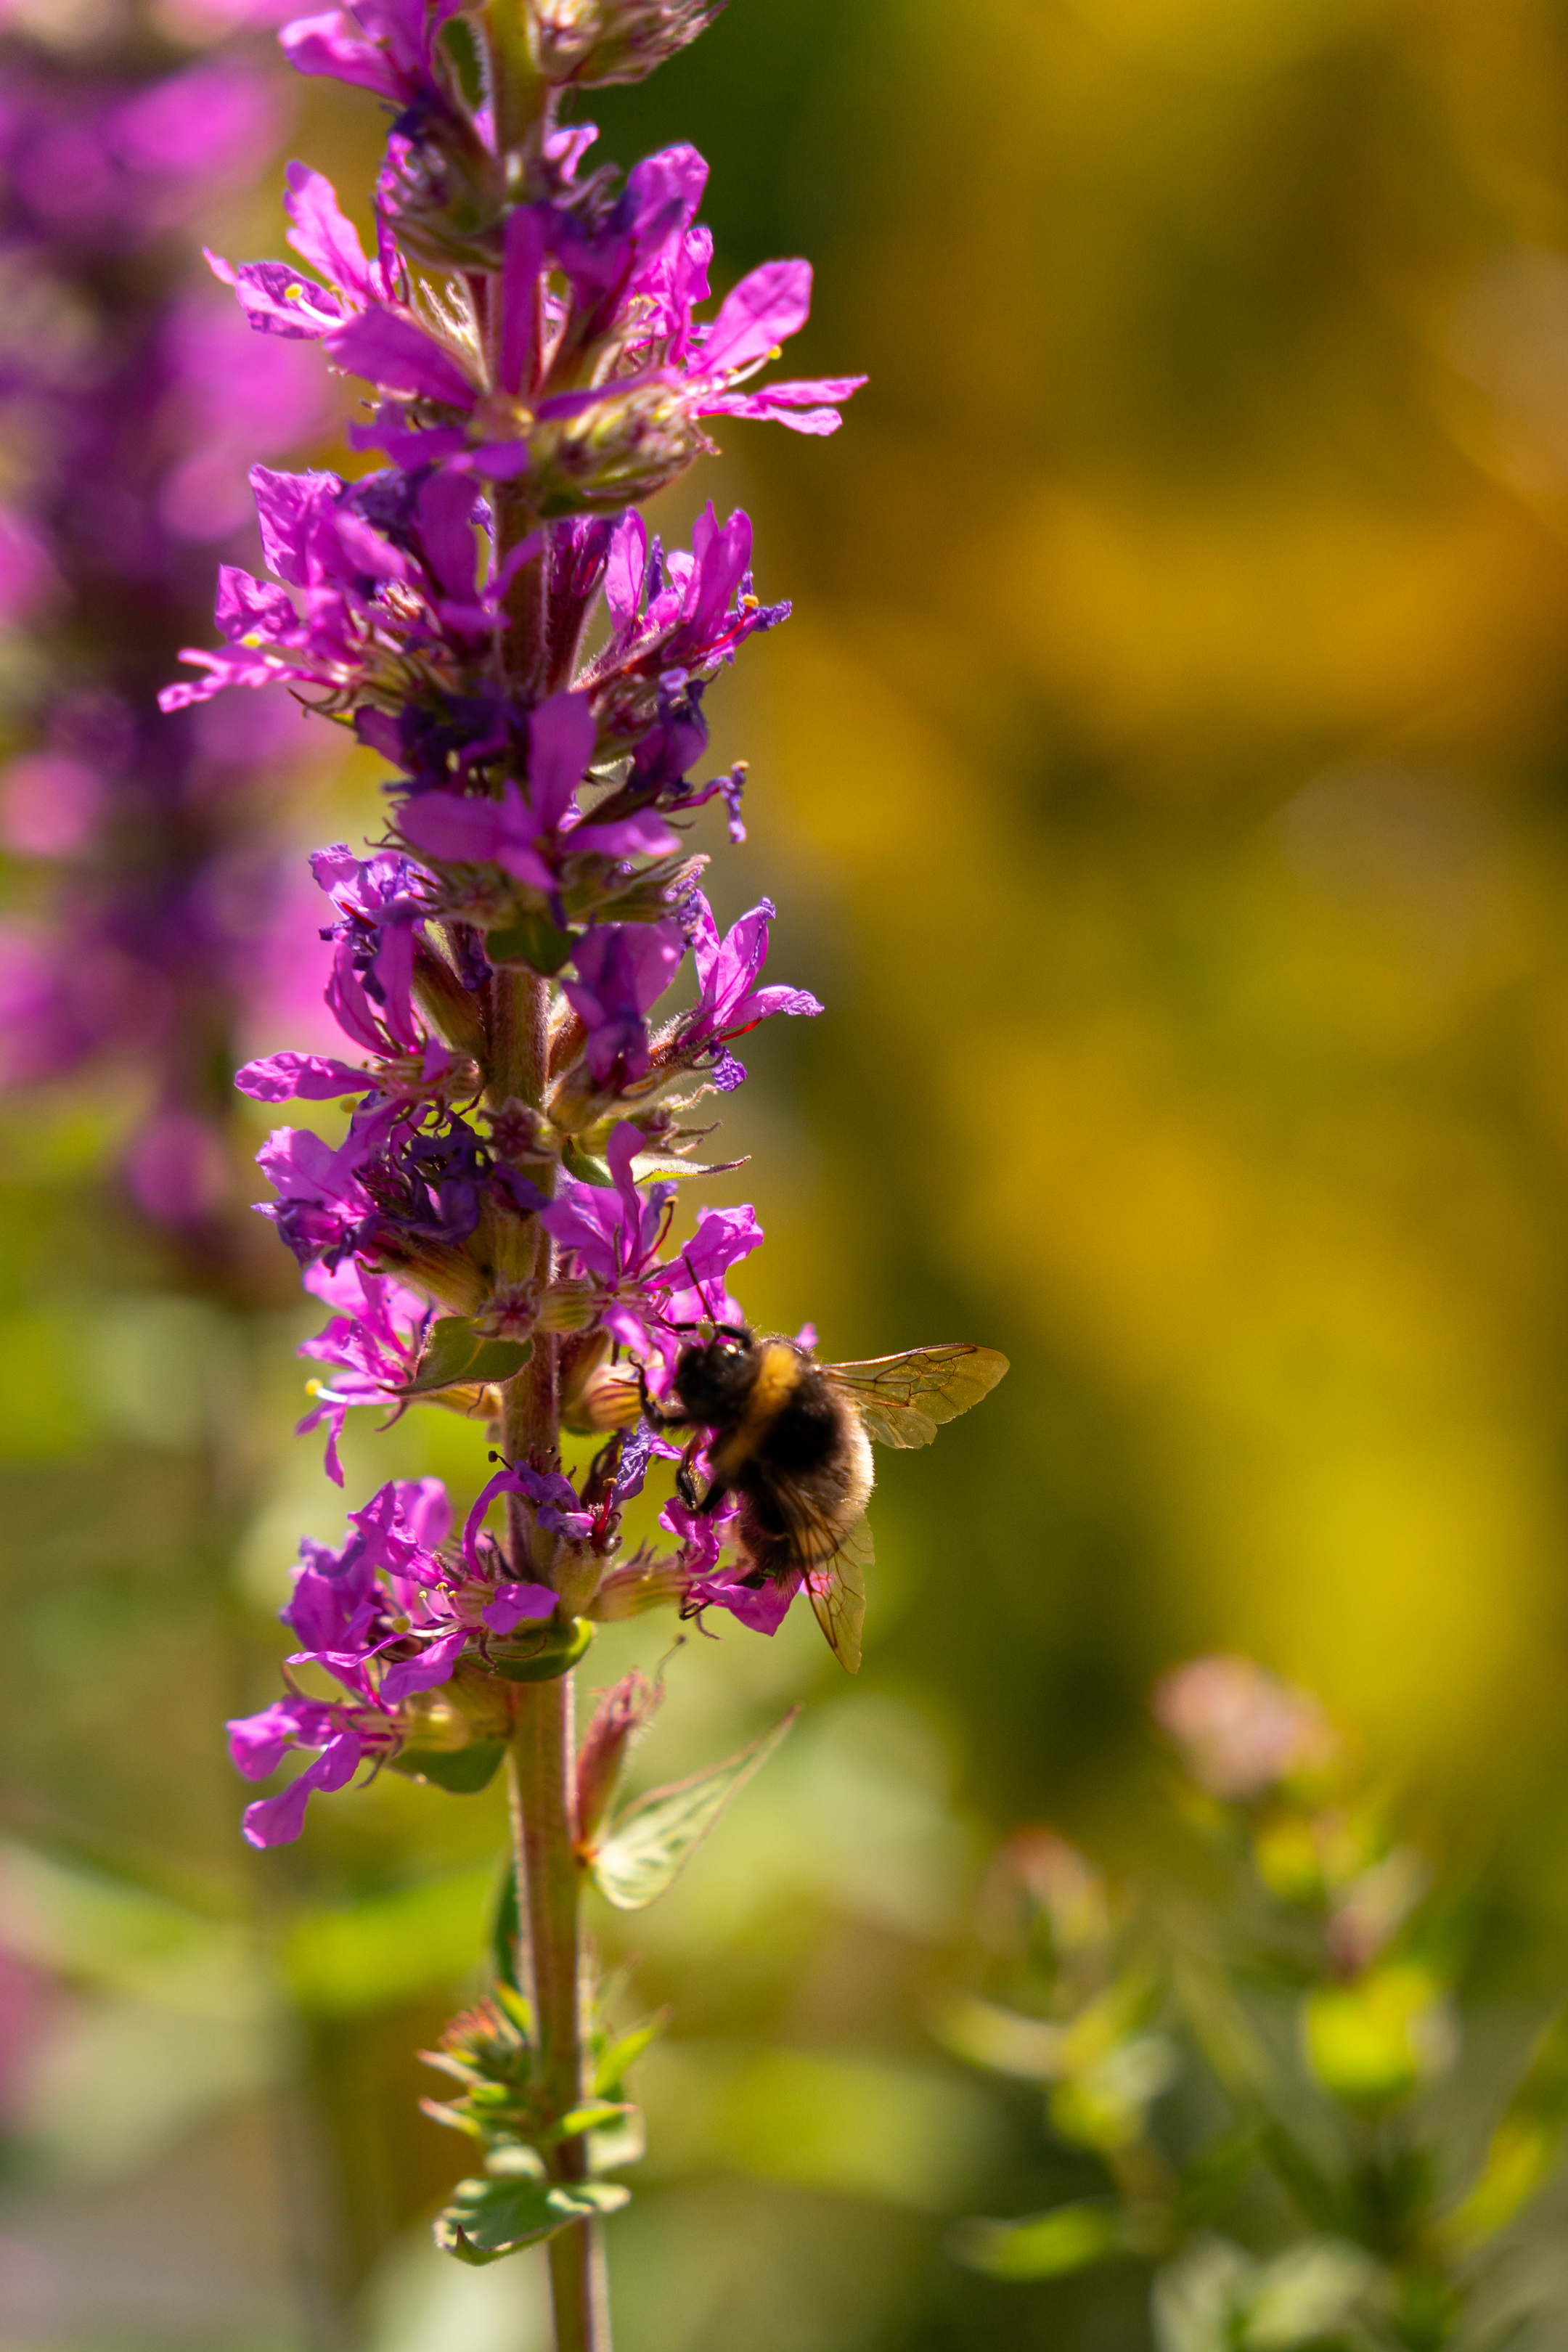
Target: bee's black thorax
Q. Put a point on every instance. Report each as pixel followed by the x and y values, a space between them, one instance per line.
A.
pixel 769 1406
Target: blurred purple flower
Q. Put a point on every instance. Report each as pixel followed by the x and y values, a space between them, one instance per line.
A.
pixel 140 401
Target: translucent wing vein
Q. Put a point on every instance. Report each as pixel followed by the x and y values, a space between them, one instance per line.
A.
pixel 903 1400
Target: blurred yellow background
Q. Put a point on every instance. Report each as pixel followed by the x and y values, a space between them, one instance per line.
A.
pixel 1163 783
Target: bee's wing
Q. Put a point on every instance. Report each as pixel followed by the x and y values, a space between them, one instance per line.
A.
pixel 833 1571
pixel 903 1399
pixel 836 1591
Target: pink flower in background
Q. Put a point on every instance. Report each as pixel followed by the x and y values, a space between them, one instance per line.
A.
pixel 1240 1729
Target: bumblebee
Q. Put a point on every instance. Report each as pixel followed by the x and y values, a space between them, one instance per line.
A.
pixel 792 1437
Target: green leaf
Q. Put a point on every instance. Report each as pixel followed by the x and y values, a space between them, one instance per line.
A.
pixel 456 1353
pixel 534 941
pixel 487 2218
pixel 588 1166
pixel 986 2035
pixel 617 2145
pixel 654 1838
pixel 506 1935
pixel 592 2116
pixel 1046 2245
pixel 1523 2149
pixel 649 1164
pixel 621 2056
pixel 463 1772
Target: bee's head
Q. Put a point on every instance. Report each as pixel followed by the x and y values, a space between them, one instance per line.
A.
pixel 713 1377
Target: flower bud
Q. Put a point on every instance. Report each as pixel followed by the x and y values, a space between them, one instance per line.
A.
pixel 646 1582
pixel 615 453
pixel 596 1400
pixel 592 42
pixel 455 1735
pixel 566 1307
pixel 518 1134
pixel 510 1312
pixel 619 1720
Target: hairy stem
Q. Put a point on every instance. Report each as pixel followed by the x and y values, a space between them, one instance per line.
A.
pixel 542 1757
pixel 550 1879
pixel 541 1763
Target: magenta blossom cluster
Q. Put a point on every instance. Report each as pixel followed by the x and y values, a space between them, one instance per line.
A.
pixel 142 891
pixel 533 994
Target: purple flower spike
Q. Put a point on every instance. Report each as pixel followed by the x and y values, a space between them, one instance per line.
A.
pixel 531 333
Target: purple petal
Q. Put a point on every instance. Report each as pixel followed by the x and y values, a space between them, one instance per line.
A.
pixel 278 302
pixel 770 304
pixel 641 835
pixel 798 394
pixel 391 351
pixel 293 511
pixel 432 1666
pixel 524 255
pixel 327 240
pixel 326 45
pixel 763 1608
pixel 559 745
pixel 250 607
pixel 279 1077
pixel 513 1603
pixel 259 1743
pixel 277 1821
pixel 461 832
pixel 626 568
pixel 445 532
pixel 763 1002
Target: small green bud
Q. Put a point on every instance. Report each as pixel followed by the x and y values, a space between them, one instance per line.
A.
pixel 555 1650
pixel 589 43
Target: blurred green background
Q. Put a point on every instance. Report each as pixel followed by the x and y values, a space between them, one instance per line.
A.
pixel 1161 780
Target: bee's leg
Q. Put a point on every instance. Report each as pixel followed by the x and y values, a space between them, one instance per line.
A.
pixel 656 1414
pixel 685 1485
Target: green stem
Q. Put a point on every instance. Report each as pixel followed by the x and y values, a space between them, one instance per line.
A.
pixel 541 1772
pixel 550 1880
pixel 521 101
pixel 541 1764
